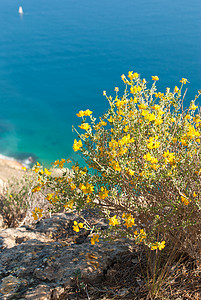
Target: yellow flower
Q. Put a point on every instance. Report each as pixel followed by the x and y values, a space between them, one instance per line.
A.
pixel 36 189
pixel 47 172
pixel 193 106
pixel 37 213
pixel 176 89
pixel 185 200
pixel 123 77
pixel 69 204
pixel 169 157
pixel 130 172
pixel 104 193
pixel 134 89
pixel 147 156
pixel 24 168
pixel 111 119
pixel 161 245
pixel 155 78
pixel 49 196
pixel 126 128
pixel 116 89
pixel 115 165
pixel 87 189
pixel 80 114
pixel 72 186
pixel 95 239
pixel 194 194
pixel 104 93
pixel 88 200
pixel 76 227
pixel 158 121
pixel 132 75
pixel 156 107
pixel 87 112
pixel 77 145
pixel 84 126
pixel 61 163
pixel 154 246
pixel 183 80
pixel 129 221
pixel 142 106
pixel 56 162
pixel 113 221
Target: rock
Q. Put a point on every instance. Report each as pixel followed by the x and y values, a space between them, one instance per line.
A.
pixel 9 285
pixel 41 261
pixel 57 292
pixel 1 222
pixel 40 292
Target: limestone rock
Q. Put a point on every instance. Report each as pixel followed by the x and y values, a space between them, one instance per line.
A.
pixel 9 285
pixel 40 292
pixel 44 259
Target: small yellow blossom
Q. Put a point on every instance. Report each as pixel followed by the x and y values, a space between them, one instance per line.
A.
pixel 185 200
pixel 155 78
pixel 95 239
pixel 142 106
pixel 37 213
pixel 115 165
pixel 87 189
pixel 193 106
pixel 104 193
pixel 183 80
pixel 47 172
pixel 129 220
pixel 56 162
pixel 84 126
pixel 132 75
pixel 69 204
pixel 77 145
pixel 80 114
pixel 87 112
pixel 49 196
pixel 176 89
pixel 161 245
pixel 113 221
pixel 77 226
pixel 158 245
pixel 36 189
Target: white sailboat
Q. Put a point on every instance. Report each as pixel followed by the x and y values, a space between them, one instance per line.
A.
pixel 20 10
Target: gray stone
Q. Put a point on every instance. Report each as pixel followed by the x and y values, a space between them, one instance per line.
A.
pixel 40 292
pixel 40 264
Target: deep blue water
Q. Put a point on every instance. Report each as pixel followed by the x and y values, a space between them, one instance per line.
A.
pixel 60 55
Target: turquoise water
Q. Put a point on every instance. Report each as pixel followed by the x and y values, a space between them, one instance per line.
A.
pixel 60 55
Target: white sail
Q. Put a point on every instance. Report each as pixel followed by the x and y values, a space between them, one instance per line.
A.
pixel 20 10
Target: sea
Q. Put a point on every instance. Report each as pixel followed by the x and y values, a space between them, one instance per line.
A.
pixel 59 55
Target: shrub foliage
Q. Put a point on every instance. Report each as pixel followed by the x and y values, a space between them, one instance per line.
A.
pixel 142 167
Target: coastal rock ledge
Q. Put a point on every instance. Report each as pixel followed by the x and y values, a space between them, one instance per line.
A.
pixel 43 260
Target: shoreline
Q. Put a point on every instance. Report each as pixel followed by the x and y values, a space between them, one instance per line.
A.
pixel 9 168
pixel 10 161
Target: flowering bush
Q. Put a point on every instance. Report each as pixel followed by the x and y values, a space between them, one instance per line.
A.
pixel 143 167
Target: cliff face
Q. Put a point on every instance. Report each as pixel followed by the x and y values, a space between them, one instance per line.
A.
pixel 8 169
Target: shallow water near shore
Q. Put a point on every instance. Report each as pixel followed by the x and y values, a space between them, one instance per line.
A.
pixel 58 57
